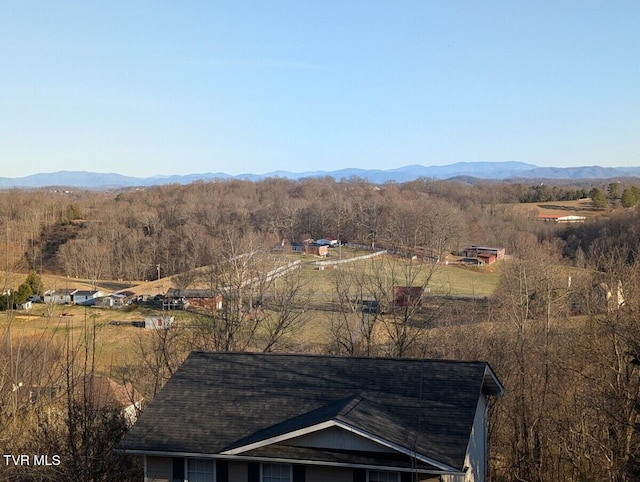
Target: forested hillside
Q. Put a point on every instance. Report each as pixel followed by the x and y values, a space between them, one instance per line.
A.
pixel 125 234
pixel 561 330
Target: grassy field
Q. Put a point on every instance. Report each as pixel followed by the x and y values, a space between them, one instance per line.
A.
pixel 447 279
pixel 116 344
pixel 466 280
pixel 579 207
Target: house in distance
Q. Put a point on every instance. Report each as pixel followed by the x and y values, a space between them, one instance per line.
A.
pixel 556 218
pixel 486 254
pixel 71 296
pixel 181 298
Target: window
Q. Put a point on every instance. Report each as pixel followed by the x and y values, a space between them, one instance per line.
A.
pixel 199 470
pixel 383 476
pixel 276 473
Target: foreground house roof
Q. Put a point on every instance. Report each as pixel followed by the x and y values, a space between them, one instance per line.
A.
pixel 249 405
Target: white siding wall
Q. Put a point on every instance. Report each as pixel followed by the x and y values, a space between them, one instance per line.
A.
pixel 453 478
pixel 337 438
pixel 476 458
pixel 57 299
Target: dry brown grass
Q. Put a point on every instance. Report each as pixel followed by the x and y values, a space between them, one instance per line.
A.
pixel 579 207
pixel 114 344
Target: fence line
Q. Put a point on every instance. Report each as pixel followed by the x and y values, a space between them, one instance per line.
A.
pixel 350 260
pixel 274 273
pixel 282 270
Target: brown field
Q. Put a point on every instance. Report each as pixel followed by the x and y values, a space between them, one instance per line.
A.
pixel 114 344
pixel 579 207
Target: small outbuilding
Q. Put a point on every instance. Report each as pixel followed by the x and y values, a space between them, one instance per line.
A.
pixel 27 305
pixel 158 322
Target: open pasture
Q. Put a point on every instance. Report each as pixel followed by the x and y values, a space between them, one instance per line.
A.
pixel 454 279
pixel 578 207
pixel 116 344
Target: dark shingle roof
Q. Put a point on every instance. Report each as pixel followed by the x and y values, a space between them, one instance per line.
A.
pixel 190 293
pixel 219 401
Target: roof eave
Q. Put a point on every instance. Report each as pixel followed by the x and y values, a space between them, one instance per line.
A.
pixel 151 453
pixel 491 384
pixel 345 426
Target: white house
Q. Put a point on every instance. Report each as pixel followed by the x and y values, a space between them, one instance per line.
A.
pixel 58 297
pixel 85 297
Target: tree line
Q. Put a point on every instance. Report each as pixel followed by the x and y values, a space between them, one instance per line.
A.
pixel 126 234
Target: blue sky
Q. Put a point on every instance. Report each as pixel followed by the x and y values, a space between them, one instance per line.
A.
pixel 159 87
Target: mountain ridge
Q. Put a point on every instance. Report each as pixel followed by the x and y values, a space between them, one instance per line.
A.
pixel 481 170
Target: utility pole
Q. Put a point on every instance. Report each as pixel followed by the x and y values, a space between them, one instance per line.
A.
pixel 158 268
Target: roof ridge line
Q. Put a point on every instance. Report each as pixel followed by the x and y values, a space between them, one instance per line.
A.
pixel 355 401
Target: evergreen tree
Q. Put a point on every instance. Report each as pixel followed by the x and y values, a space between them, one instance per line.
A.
pixel 23 293
pixel 598 198
pixel 613 190
pixel 35 283
pixel 630 197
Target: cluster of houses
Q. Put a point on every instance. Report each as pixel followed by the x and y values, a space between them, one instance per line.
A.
pixel 174 299
pixel 68 296
pixel 71 297
pixel 63 297
pixel 313 247
pixel 85 298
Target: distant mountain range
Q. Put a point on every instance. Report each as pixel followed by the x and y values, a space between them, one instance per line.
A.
pixel 509 170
